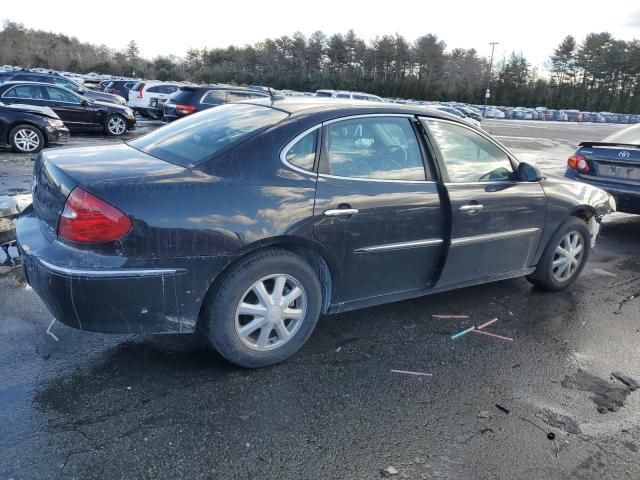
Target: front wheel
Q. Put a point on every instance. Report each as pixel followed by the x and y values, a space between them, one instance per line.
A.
pixel 265 309
pixel 564 257
pixel 26 139
pixel 115 125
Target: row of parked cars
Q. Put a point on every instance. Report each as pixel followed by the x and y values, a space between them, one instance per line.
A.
pixel 40 109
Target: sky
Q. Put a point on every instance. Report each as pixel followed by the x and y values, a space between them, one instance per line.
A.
pixel 533 28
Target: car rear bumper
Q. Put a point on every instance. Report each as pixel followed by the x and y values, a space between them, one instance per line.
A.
pixel 122 295
pixel 627 196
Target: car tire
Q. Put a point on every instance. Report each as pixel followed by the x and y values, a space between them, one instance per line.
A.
pixel 556 270
pixel 246 314
pixel 115 125
pixel 26 139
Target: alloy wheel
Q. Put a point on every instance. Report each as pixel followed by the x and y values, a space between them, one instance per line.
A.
pixel 116 126
pixel 568 256
pixel 270 312
pixel 27 140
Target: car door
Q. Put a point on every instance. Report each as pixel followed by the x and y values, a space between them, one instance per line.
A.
pixel 377 207
pixel 72 109
pixel 496 219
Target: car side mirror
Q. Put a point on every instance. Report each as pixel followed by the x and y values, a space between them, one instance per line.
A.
pixel 529 173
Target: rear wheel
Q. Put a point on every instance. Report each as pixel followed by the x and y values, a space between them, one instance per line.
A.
pixel 26 139
pixel 564 257
pixel 265 310
pixel 115 125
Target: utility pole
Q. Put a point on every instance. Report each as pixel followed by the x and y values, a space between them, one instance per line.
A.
pixel 487 94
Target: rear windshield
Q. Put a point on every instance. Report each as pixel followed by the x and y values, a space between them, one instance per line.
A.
pixel 201 136
pixel 629 135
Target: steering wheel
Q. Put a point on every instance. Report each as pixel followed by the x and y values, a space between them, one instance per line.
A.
pixel 396 154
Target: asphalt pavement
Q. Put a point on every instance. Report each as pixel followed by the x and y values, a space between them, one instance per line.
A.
pixel 84 405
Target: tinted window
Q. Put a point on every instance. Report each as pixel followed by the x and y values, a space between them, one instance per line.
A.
pixel 60 95
pixel 25 91
pixel 215 97
pixel 63 82
pixel 377 148
pixel 343 95
pixel 468 156
pixel 323 94
pixel 183 96
pixel 156 89
pixel 303 153
pixel 201 136
pixel 360 97
pixel 237 96
pixel 629 135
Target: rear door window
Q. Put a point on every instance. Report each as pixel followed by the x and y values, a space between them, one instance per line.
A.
pixel 214 97
pixel 26 91
pixel 377 148
pixel 61 95
pixel 202 136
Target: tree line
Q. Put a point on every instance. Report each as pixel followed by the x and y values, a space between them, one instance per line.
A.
pixel 600 73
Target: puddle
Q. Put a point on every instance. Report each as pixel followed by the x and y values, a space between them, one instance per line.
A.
pixel 607 396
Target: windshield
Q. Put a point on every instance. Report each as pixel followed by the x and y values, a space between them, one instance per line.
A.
pixel 629 135
pixel 201 136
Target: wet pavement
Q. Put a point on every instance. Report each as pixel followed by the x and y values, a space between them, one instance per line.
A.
pixel 83 405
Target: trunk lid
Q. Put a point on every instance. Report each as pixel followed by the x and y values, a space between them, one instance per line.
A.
pixel 613 163
pixel 58 172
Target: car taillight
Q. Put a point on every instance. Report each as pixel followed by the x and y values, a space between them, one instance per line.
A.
pixel 578 162
pixel 140 90
pixel 185 109
pixel 87 219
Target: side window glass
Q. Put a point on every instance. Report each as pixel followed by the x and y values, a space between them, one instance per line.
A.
pixel 60 95
pixel 237 96
pixel 214 97
pixel 25 91
pixel 468 156
pixel 302 154
pixel 383 148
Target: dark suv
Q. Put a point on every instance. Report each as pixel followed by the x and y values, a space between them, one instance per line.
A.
pixel 57 79
pixel 120 88
pixel 195 98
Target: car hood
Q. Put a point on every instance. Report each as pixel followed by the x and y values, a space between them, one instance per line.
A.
pixel 573 195
pixel 44 111
pixel 103 97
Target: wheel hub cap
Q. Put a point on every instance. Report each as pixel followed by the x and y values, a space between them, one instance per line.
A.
pixel 568 256
pixel 270 312
pixel 27 140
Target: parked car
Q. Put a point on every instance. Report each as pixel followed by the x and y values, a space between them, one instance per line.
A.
pixel 29 128
pixel 455 111
pixel 573 115
pixel 77 112
pixel 470 112
pixel 613 165
pixel 492 112
pixel 240 223
pixel 195 98
pixel 26 76
pixel 119 87
pixel 144 92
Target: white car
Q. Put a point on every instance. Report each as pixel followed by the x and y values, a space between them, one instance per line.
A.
pixel 143 92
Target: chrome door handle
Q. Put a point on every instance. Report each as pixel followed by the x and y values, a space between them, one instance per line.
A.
pixel 340 212
pixel 471 209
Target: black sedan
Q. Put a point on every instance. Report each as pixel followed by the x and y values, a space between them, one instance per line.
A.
pixel 77 113
pixel 613 165
pixel 59 80
pixel 28 129
pixel 249 220
pixel 195 98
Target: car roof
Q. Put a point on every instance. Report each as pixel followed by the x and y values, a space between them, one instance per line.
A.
pixel 302 105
